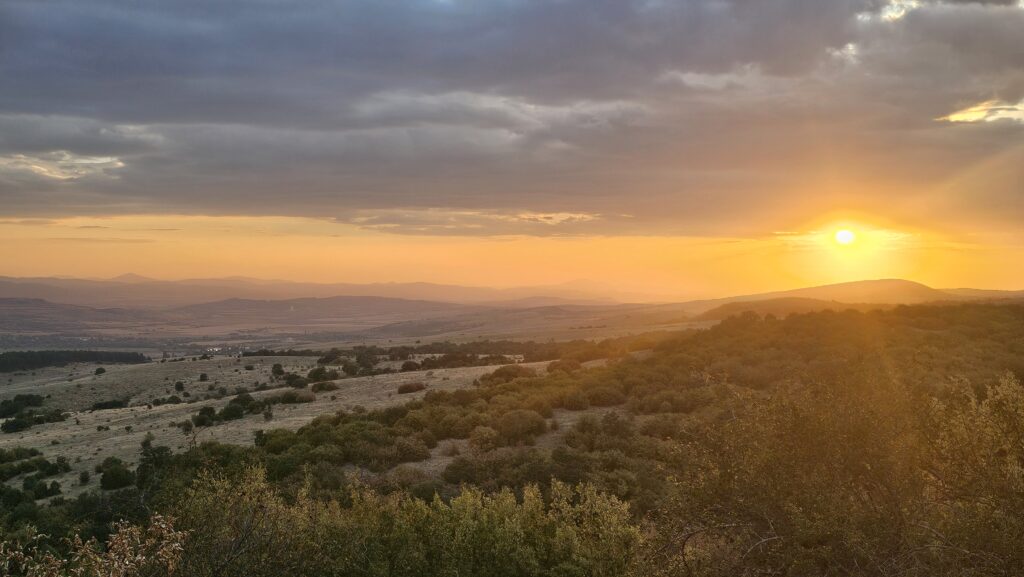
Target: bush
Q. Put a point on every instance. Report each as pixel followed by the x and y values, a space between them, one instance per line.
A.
pixel 231 412
pixel 16 425
pixel 576 401
pixel 567 366
pixel 507 374
pixel 116 476
pixel 99 371
pixel 323 374
pixel 112 404
pixel 406 388
pixel 293 397
pixel 205 417
pixel 520 426
pixel 410 366
pixel 605 397
pixel 411 449
pixel 484 439
pixel 324 386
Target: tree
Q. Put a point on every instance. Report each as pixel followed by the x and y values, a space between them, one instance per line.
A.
pixel 116 476
pixel 323 374
pixel 232 412
pixel 277 370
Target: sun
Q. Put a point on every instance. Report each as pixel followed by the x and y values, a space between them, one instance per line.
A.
pixel 845 236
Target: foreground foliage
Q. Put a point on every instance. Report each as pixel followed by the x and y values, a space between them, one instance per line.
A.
pixel 241 526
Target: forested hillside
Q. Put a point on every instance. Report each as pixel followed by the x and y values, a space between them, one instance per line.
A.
pixel 850 443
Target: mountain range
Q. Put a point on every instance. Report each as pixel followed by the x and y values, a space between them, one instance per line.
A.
pixel 140 292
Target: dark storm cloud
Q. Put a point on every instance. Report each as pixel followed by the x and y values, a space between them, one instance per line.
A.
pixel 457 116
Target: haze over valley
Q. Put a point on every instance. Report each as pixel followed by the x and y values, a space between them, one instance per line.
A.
pixel 176 316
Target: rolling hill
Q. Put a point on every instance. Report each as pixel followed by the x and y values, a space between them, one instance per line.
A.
pixel 38 315
pixel 782 307
pixel 882 291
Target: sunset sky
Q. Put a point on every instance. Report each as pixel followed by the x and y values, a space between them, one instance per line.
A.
pixel 677 148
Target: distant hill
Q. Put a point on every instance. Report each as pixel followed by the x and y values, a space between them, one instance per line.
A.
pixel 315 309
pixel 783 307
pixel 134 291
pixel 888 291
pixel 883 291
pixel 245 319
pixel 30 315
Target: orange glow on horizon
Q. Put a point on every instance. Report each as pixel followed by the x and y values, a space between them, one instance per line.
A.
pixel 664 267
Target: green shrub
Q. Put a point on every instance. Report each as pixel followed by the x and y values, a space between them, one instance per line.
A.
pixel 406 388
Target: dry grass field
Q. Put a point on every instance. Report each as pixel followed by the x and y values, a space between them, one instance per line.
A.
pixel 85 440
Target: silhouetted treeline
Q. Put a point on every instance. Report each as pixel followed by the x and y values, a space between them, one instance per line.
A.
pixel 30 360
pixel 530 351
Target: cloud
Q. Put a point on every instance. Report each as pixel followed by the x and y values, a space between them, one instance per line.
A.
pixel 61 165
pixel 990 111
pixel 691 116
pixel 28 222
pixel 473 223
pixel 98 239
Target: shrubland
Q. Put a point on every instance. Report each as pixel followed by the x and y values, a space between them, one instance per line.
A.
pixel 831 443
